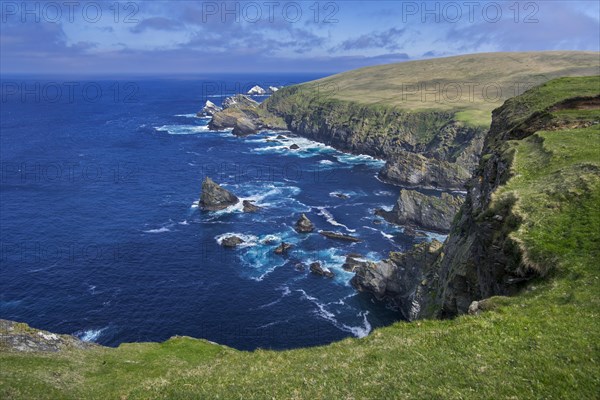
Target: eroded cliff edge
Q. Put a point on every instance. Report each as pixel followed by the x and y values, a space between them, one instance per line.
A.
pixel 483 256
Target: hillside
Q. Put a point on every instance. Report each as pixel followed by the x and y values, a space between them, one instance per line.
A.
pixel 541 343
pixel 469 85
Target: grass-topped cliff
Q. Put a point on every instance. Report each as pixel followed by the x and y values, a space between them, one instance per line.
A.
pixel 541 343
pixel 426 118
pixel 468 86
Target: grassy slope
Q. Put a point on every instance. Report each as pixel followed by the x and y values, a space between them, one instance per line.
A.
pixel 390 85
pixel 544 343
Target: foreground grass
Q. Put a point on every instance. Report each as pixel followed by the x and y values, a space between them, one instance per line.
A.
pixel 544 343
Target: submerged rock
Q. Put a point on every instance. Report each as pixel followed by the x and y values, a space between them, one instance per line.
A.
pixel 249 207
pixel 341 196
pixel 214 197
pixel 304 225
pixel 281 137
pixel 300 266
pixel 209 109
pixel 339 236
pixel 283 248
pixel 231 241
pixel 316 268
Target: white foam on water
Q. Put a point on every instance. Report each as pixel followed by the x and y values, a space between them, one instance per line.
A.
pixel 191 116
pixel 308 148
pixel 384 234
pixel 90 335
pixel 158 230
pixel 183 129
pixel 249 240
pixel 321 311
pixel 383 193
pixel 359 159
pixel 329 217
pixel 437 236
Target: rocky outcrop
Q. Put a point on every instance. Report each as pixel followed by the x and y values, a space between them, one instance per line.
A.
pixel 428 212
pixel 353 262
pixel 249 207
pixel 244 116
pixel 209 109
pixel 339 236
pixel 395 280
pixel 316 269
pixel 283 248
pixel 304 225
pixel 294 147
pixel 416 170
pixel 214 197
pixel 20 337
pixel 273 89
pixel 239 101
pixel 231 241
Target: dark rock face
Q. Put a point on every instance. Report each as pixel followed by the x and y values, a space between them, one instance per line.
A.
pixel 316 268
pixel 20 337
pixel 339 236
pixel 283 248
pixel 443 159
pixel 353 262
pixel 395 280
pixel 428 212
pixel 231 241
pixel 249 207
pixel 214 197
pixel 294 147
pixel 416 170
pixel 304 225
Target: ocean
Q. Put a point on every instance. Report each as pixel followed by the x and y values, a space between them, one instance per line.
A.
pixel 102 236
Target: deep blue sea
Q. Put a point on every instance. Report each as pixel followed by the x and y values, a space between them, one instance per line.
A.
pixel 102 237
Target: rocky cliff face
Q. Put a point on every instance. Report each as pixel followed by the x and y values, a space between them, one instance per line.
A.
pixel 480 258
pixel 428 212
pixel 423 149
pixel 20 337
pixel 395 280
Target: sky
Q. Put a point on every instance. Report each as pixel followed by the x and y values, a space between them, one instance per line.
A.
pixel 187 37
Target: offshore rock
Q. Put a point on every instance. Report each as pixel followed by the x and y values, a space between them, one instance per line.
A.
pixel 304 225
pixel 250 207
pixel 214 197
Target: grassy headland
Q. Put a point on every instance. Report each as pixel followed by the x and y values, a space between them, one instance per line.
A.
pixel 543 343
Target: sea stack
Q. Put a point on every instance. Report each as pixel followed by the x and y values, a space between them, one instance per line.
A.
pixel 214 197
pixel 304 225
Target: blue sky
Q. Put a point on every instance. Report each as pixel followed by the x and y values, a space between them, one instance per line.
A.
pixel 178 36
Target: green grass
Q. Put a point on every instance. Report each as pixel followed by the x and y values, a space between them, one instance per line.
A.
pixel 541 344
pixel 470 86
